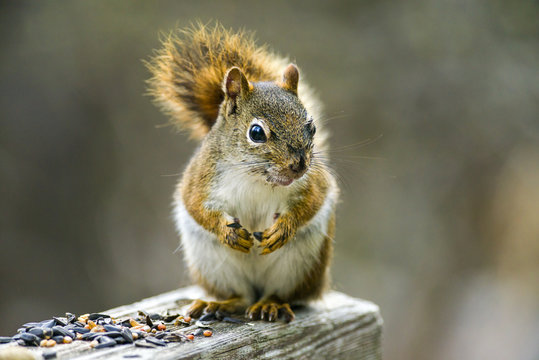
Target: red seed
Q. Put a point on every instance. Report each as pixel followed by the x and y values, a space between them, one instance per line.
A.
pixel 208 333
pixel 161 327
pixel 190 336
pixel 187 319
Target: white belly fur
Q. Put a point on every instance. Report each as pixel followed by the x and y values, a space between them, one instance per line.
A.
pixel 235 273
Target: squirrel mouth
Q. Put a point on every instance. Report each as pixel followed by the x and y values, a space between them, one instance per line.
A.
pixel 280 180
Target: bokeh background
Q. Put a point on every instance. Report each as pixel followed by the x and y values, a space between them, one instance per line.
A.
pixel 434 110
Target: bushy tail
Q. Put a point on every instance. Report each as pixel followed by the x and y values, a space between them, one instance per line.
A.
pixel 187 72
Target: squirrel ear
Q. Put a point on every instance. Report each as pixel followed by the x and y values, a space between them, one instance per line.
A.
pixel 290 78
pixel 235 83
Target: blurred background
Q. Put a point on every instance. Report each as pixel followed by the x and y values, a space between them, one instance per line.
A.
pixel 439 220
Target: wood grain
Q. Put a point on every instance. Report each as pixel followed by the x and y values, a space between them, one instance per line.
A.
pixel 336 327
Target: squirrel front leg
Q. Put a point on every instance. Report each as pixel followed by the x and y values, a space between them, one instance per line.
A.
pixel 236 236
pixel 282 230
pixel 301 210
pixel 227 228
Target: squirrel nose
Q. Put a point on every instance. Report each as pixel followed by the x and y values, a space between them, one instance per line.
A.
pixel 298 166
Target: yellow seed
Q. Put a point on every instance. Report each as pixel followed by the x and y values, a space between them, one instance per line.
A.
pixel 51 343
pixel 154 331
pixel 187 319
pixel 98 328
pixel 91 324
pixel 208 333
pixel 133 322
pixel 68 340
pixel 94 343
pixel 135 335
pixel 79 337
pixel 43 343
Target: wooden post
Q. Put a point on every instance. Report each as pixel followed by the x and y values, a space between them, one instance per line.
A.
pixel 336 327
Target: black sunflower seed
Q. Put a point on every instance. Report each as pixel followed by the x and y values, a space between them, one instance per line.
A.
pixel 29 337
pixel 105 341
pixel 5 339
pixel 128 337
pixel 80 330
pixel 144 345
pixel 58 330
pixel 149 321
pixel 59 321
pixel 207 317
pixel 160 335
pixel 48 323
pixel 31 325
pixel 221 314
pixel 91 336
pixel 198 332
pixel 96 316
pixel 155 341
pixel 112 328
pixel 39 332
pixel 58 338
pixel 70 318
pixel 49 355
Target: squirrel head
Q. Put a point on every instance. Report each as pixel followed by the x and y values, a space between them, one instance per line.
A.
pixel 267 126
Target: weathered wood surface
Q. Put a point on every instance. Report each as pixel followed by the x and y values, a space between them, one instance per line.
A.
pixel 336 327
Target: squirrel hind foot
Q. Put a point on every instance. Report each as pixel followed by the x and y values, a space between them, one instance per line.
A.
pixel 235 305
pixel 270 310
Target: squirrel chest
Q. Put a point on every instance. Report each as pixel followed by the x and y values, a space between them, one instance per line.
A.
pixel 228 272
pixel 253 201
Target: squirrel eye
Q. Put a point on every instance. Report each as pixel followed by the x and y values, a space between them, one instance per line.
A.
pixel 257 134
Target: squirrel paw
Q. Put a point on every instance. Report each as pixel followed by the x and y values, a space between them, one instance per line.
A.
pixel 230 306
pixel 275 237
pixel 237 237
pixel 270 310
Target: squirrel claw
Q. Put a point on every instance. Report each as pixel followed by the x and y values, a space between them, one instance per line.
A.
pixel 237 237
pixel 274 238
pixel 270 310
pixel 199 307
